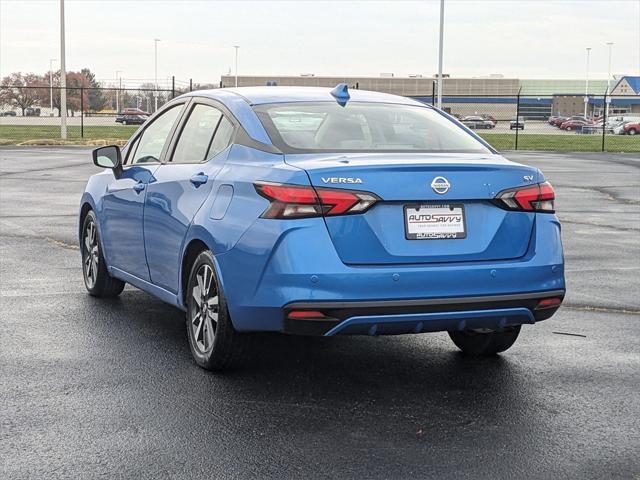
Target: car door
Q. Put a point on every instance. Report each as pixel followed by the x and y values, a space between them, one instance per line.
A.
pixel 123 202
pixel 181 185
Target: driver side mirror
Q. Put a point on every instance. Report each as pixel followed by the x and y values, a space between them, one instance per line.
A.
pixel 109 157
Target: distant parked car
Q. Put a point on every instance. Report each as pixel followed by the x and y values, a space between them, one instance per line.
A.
pixel 631 128
pixel 552 119
pixel 574 124
pixel 477 122
pixel 559 121
pixel 619 129
pixel 131 119
pixel 609 126
pixel 516 123
pixel 31 112
pixel 490 118
pixel 8 113
pixel 134 111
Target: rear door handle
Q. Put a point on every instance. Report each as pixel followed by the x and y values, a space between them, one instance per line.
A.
pixel 199 179
pixel 138 187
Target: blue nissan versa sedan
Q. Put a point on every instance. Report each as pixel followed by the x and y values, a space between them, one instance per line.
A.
pixel 322 212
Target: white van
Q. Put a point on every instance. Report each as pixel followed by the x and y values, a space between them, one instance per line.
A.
pixel 624 118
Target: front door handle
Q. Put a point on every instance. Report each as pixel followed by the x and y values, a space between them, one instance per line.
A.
pixel 199 179
pixel 138 187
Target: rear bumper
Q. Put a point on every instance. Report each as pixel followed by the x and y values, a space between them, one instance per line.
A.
pixel 418 316
pixel 280 265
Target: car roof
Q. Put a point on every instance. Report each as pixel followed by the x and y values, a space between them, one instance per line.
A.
pixel 263 95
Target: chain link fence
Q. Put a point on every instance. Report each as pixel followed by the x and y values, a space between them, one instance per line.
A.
pixel 549 122
pixel 508 122
pixel 32 114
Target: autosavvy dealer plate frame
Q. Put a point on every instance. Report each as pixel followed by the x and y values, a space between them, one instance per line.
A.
pixel 439 236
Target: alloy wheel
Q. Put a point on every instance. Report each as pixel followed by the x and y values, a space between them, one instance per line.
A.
pixel 90 254
pixel 204 309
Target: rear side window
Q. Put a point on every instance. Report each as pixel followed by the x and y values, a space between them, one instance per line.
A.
pixel 197 135
pixel 221 139
pixel 363 127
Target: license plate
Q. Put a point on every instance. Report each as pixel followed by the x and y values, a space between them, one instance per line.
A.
pixel 434 222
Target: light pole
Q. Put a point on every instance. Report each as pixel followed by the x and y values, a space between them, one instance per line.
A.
pixel 63 78
pixel 440 50
pixel 118 72
pixel 586 85
pixel 51 60
pixel 155 94
pixel 236 47
pixel 609 44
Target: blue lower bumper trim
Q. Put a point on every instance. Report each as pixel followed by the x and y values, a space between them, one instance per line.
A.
pixel 432 322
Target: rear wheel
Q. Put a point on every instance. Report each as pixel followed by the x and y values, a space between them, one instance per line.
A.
pixel 480 342
pixel 96 276
pixel 215 344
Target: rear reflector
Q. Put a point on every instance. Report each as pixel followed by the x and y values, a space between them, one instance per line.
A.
pixel 532 198
pixel 297 201
pixel 549 303
pixel 306 314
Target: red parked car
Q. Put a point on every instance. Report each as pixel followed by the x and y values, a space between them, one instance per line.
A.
pixel 632 128
pixel 134 111
pixel 559 121
pixel 574 124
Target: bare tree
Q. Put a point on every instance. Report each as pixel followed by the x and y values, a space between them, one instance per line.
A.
pixel 20 91
pixel 75 80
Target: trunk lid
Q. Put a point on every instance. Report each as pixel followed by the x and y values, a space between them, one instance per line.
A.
pixel 404 181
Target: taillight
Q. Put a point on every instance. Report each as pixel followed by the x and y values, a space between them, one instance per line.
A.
pixel 552 302
pixel 295 201
pixel 306 315
pixel 532 198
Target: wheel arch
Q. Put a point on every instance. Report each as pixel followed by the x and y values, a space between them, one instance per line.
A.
pixel 86 204
pixel 191 252
pixel 198 239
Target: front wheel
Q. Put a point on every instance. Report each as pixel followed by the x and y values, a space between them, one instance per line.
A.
pixel 481 343
pixel 632 131
pixel 215 344
pixel 96 276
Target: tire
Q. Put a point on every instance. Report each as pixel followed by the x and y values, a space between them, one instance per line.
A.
pixel 124 122
pixel 215 344
pixel 632 131
pixel 568 129
pixel 94 269
pixel 485 344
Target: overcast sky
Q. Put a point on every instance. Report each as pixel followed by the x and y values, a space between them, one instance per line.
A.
pixel 517 38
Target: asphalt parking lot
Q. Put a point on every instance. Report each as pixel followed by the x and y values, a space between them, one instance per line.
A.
pixel 92 388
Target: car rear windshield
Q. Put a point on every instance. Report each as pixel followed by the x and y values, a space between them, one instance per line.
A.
pixel 363 127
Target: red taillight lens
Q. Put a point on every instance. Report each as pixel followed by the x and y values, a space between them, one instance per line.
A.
pixel 293 201
pixel 533 198
pixel 306 314
pixel 549 303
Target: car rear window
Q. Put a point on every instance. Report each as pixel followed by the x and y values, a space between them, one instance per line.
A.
pixel 363 127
